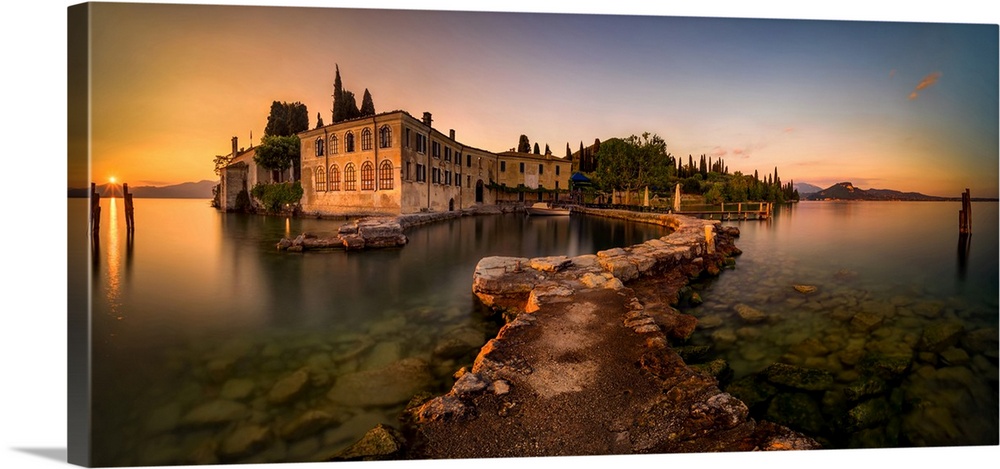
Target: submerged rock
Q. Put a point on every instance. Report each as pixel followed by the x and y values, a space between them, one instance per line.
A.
pixel 798 377
pixel 751 390
pixel 749 314
pixel 940 335
pixel 381 443
pixel 215 412
pixel 870 413
pixel 804 288
pixel 718 369
pixel 288 387
pixel 308 423
pixel 245 440
pixel 797 411
pixel 394 384
pixel 866 321
pixel 887 367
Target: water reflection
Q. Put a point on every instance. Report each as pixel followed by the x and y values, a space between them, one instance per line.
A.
pixel 964 248
pixel 113 291
pixel 210 302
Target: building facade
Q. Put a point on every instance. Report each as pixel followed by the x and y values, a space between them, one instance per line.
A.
pixel 391 164
pixel 241 174
pixel 527 177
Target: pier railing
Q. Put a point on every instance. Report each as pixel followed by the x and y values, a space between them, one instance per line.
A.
pixel 730 211
pixel 723 211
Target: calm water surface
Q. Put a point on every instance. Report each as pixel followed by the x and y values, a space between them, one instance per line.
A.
pixel 211 346
pixel 887 275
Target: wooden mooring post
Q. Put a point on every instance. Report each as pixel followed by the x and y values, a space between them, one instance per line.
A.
pixel 965 214
pixel 129 210
pixel 95 211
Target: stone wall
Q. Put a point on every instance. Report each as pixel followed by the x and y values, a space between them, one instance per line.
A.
pixel 582 366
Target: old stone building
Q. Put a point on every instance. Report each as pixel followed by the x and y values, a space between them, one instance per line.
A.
pixel 393 163
pixel 241 174
pixel 527 177
pixel 389 164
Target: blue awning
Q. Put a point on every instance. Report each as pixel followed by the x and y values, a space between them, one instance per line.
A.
pixel 579 177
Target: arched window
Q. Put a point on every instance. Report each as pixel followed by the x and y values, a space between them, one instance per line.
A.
pixel 333 145
pixel 349 142
pixel 366 139
pixel 320 179
pixel 334 178
pixel 367 176
pixel 385 175
pixel 319 146
pixel 384 137
pixel 349 177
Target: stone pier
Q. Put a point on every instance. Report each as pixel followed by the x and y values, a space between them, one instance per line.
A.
pixel 583 367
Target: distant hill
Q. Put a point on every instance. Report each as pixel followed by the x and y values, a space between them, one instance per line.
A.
pixel 847 191
pixel 806 188
pixel 186 190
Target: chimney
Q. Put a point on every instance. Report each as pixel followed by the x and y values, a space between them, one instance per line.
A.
pixel 451 134
pixel 235 143
pixel 427 119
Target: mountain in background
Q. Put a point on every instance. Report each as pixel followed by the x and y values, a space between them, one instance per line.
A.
pixel 806 188
pixel 186 190
pixel 847 191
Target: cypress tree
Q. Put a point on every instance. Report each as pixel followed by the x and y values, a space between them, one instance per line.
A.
pixel 547 151
pixel 367 106
pixel 338 98
pixel 536 149
pixel 569 153
pixel 319 120
pixel 350 106
pixel 523 145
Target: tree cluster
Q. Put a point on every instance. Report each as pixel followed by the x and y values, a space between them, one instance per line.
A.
pixel 722 187
pixel 279 147
pixel 633 163
pixel 586 158
pixel 345 106
pixel 286 119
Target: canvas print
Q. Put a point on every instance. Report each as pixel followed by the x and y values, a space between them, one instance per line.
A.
pixel 329 234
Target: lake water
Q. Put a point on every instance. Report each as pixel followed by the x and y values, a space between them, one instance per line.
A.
pixel 211 346
pixel 887 274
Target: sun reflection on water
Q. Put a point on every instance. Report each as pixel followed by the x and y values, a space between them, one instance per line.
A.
pixel 114 261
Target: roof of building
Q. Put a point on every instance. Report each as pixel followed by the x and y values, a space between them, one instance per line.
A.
pixel 397 111
pixel 533 156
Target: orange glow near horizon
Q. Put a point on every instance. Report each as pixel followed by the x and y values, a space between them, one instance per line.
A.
pixel 173 84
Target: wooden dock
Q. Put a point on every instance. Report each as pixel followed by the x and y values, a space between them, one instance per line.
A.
pixel 730 211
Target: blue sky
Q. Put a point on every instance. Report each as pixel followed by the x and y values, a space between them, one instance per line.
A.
pixel 824 101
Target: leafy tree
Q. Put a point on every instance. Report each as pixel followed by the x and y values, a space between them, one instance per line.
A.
pixel 277 153
pixel 536 149
pixel 632 163
pixel 274 196
pixel 523 146
pixel 286 119
pixel 367 106
pixel 221 161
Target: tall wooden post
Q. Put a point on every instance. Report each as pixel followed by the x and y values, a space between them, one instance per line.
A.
pixel 95 211
pixel 129 211
pixel 965 215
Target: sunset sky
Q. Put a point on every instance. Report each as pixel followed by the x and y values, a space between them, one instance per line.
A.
pixel 904 106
